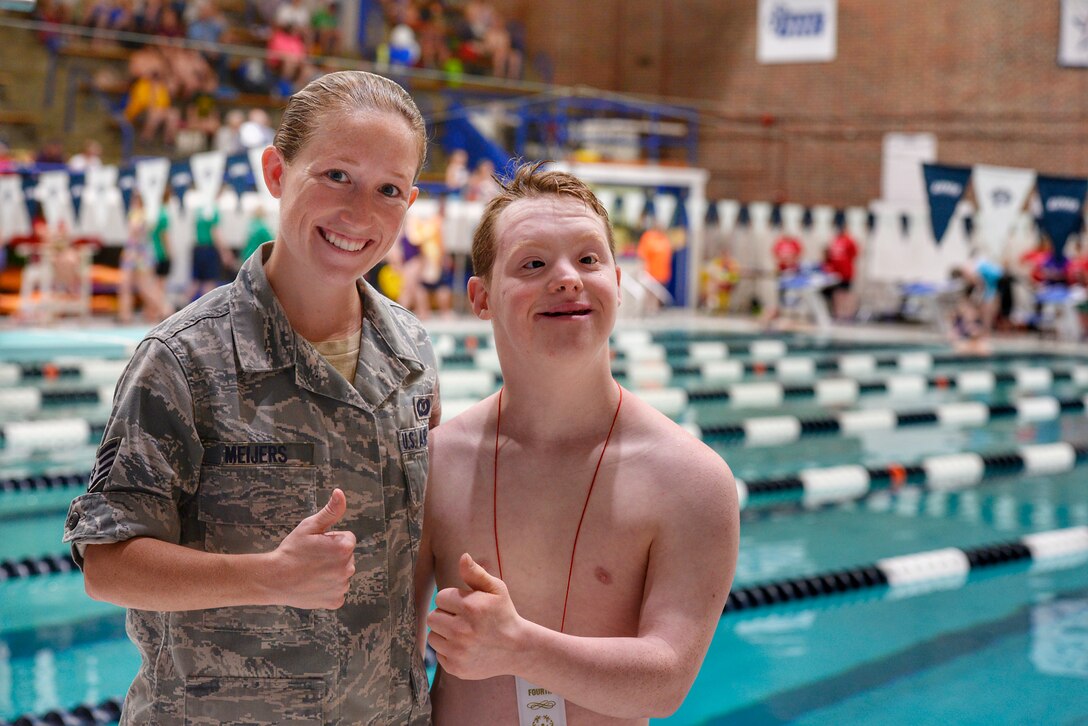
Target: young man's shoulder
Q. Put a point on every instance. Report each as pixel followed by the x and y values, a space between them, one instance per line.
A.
pixel 670 452
pixel 461 431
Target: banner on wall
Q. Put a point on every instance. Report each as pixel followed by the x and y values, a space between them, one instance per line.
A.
pixel 1000 194
pixel 797 31
pixel 945 186
pixel 1063 207
pixel 1073 36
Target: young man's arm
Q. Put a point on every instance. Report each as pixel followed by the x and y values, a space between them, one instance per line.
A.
pixel 311 568
pixel 477 633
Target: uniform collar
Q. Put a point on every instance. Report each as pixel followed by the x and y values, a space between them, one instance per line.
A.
pixel 265 341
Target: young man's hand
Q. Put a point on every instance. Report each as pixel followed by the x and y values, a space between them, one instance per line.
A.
pixel 312 567
pixel 474 630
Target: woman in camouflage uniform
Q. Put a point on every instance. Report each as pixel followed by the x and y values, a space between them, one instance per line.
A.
pixel 296 386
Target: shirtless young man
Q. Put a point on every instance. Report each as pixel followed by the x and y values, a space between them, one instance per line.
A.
pixel 582 541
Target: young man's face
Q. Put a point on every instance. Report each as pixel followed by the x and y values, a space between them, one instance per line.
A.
pixel 554 286
pixel 344 196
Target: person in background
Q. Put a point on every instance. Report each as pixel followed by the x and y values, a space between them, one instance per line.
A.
pixel 257 233
pixel 457 173
pixel 137 268
pixel 210 252
pixel 482 185
pixel 160 245
pixel 839 261
pixel 149 105
pixel 256 501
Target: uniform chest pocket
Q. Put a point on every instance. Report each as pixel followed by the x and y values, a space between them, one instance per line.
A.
pixel 250 509
pixel 247 510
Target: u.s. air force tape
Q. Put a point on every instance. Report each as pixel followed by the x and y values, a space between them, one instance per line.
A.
pixel 414 439
pixel 259 453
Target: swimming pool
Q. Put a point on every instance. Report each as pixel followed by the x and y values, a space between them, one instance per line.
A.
pixel 809 636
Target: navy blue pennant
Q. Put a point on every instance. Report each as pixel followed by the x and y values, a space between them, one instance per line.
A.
pixel 239 175
pixel 743 217
pixel 945 186
pixel 712 216
pixel 181 177
pixel 1063 209
pixel 126 182
pixel 30 185
pixel 679 215
pixel 77 182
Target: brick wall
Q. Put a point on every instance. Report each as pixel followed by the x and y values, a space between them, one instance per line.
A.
pixel 981 75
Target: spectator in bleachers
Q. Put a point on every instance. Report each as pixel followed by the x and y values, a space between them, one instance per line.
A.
pixel 324 25
pixel 187 73
pixel 505 59
pixel 403 46
pixel 209 27
pixel 287 59
pixel 200 123
pixel 170 25
pixel 468 38
pixel 294 14
pixel 147 16
pixel 107 15
pixel 432 33
pixel 149 105
pixel 52 13
pixel 90 157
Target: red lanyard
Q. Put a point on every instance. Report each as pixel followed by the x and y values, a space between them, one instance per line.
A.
pixel 577 532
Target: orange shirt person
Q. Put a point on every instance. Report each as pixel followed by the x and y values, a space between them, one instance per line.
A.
pixel 655 250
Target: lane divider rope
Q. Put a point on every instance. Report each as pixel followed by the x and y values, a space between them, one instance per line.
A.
pixel 945 568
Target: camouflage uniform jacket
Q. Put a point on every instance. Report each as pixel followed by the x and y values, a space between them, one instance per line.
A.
pixel 228 429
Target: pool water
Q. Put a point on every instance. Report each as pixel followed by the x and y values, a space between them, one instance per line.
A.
pixel 1008 644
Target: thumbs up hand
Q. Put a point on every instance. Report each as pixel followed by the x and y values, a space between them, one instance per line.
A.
pixel 475 630
pixel 313 566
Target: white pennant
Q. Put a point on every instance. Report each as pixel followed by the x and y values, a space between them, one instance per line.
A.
pixel 664 207
pixel 56 199
pixel 102 212
pixel 1000 193
pixel 208 168
pixel 14 219
pixel 151 176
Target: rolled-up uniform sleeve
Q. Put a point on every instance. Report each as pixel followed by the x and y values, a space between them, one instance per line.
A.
pixel 149 458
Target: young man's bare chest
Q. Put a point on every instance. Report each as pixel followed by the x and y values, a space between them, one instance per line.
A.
pixel 537 519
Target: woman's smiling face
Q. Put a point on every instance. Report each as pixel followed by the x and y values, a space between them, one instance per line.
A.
pixel 344 196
